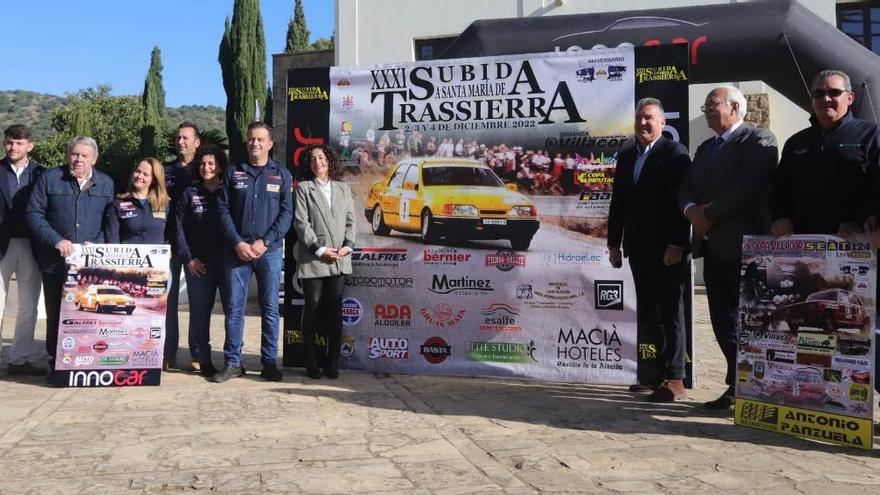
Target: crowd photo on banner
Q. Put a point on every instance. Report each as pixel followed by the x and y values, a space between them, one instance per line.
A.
pixel 525 216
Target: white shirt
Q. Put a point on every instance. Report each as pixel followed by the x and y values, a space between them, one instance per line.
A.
pixel 324 189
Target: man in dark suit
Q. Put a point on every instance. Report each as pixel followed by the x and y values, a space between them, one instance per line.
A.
pixel 645 215
pixel 725 195
pixel 17 175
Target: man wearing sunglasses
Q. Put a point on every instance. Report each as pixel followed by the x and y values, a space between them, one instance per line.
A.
pixel 827 180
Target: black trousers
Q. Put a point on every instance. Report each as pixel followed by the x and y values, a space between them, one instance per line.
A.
pixel 660 316
pixel 53 285
pixel 322 313
pixel 722 278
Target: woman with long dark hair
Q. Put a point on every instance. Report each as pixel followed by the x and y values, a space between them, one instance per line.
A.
pixel 325 227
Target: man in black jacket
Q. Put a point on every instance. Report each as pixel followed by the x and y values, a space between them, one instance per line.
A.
pixel 644 214
pixel 17 175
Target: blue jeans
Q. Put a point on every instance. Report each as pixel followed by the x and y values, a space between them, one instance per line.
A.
pixel 267 268
pixel 202 291
pixel 172 330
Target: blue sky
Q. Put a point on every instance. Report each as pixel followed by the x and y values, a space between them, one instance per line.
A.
pixel 60 46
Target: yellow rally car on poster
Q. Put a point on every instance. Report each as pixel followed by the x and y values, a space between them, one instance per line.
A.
pixel 101 298
pixel 454 199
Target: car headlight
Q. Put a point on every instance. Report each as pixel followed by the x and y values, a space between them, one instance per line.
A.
pixel 461 210
pixel 522 211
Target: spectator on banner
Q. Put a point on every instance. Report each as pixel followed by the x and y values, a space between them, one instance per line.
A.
pixel 256 208
pixel 56 194
pixel 841 149
pixel 325 228
pixel 725 195
pixel 645 219
pixel 138 215
pixel 178 176
pixel 17 176
pixel 198 233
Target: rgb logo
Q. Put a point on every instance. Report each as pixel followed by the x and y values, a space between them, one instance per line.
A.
pixel 609 294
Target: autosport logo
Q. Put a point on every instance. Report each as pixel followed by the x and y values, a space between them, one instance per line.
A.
pixel 392 315
pixel 388 348
pixel 379 257
pixel 80 361
pixel 119 378
pixel 442 315
pixel 609 294
pixel 435 350
pixel 505 260
pixel 352 311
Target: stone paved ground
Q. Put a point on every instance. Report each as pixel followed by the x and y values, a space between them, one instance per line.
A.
pixel 401 435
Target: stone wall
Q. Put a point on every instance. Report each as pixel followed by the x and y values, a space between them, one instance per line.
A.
pixel 758 112
pixel 281 63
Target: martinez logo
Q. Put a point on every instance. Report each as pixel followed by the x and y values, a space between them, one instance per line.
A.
pixel 661 73
pixel 380 282
pixel 444 256
pixel 435 350
pixel 391 315
pixel 502 352
pixel 505 260
pixel 463 285
pixel 443 316
pixel 352 311
pixel 388 348
pixel 609 294
pixel 307 93
pixel 499 317
pixel 387 257
pixel 112 332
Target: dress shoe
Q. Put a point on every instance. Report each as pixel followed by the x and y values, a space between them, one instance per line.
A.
pixel 207 369
pixel 649 387
pixel 313 373
pixel 271 373
pixel 195 366
pixel 723 403
pixel 226 373
pixel 331 373
pixel 168 363
pixel 664 394
pixel 26 369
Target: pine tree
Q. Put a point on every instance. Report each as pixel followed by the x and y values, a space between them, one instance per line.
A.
pixel 242 60
pixel 153 100
pixel 297 32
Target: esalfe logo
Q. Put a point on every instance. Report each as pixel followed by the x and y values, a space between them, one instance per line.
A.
pixel 119 378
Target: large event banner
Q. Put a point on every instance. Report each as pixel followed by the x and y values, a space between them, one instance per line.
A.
pixel 806 348
pixel 112 324
pixel 482 189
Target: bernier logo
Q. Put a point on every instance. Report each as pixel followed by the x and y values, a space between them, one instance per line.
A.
pixel 609 294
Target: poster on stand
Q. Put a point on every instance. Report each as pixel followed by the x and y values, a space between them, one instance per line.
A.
pixel 806 345
pixel 112 325
pixel 482 189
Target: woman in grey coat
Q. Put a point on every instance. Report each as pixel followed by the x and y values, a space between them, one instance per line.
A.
pixel 325 229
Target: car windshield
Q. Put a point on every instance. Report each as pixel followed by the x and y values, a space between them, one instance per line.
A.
pixel 823 296
pixel 460 176
pixel 111 291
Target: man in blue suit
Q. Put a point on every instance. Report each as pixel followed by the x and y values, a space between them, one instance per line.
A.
pixel 725 195
pixel 17 175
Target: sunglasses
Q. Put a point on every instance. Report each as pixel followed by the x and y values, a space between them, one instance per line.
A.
pixel 819 94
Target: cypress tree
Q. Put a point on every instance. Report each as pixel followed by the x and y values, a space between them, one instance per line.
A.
pixel 297 32
pixel 153 101
pixel 242 58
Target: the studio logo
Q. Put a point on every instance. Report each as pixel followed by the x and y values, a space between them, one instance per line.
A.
pixel 609 294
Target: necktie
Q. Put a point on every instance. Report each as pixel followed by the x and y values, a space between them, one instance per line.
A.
pixel 715 148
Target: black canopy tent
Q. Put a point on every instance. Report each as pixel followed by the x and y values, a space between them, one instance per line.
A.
pixel 780 42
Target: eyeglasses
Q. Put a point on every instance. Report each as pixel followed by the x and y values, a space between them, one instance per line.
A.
pixel 819 94
pixel 711 105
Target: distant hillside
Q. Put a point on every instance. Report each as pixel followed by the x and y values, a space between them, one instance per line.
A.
pixel 35 111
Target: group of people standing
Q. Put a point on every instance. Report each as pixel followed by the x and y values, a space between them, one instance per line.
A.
pixel 225 223
pixel 665 206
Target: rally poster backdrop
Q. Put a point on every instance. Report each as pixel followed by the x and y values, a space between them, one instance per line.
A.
pixel 806 348
pixel 112 325
pixel 482 189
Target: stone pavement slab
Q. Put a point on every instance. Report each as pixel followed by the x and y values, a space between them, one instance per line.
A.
pixel 401 434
